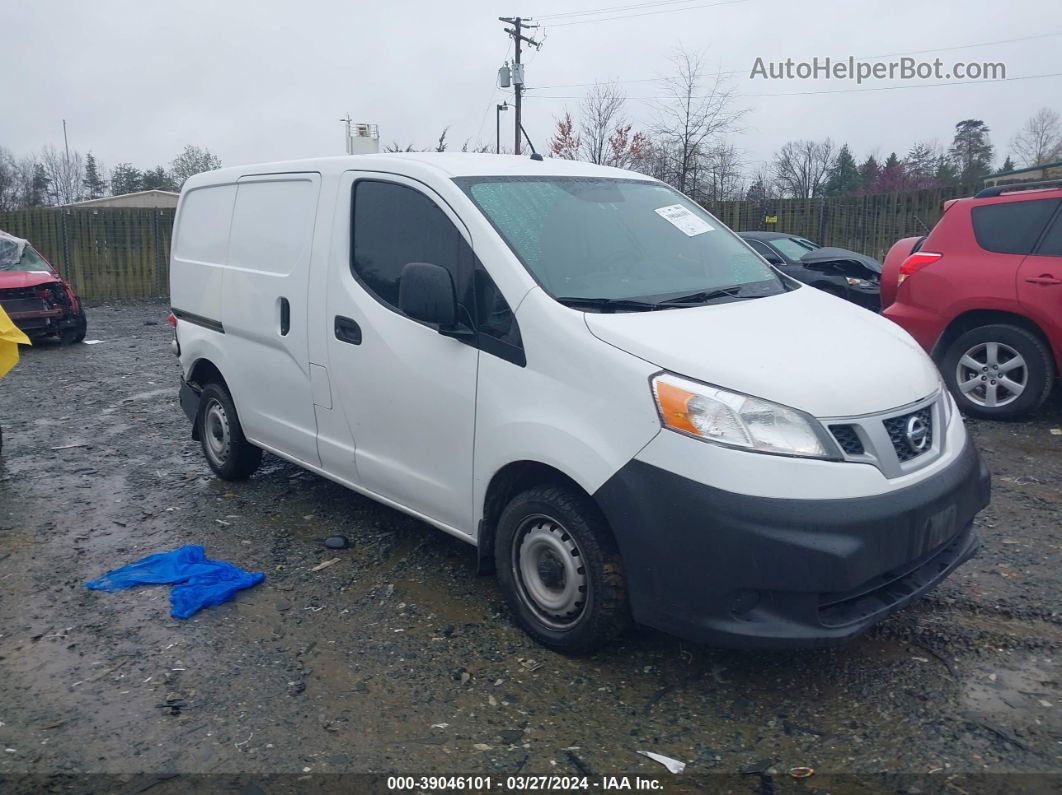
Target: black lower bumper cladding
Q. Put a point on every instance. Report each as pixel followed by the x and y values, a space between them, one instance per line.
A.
pixel 733 570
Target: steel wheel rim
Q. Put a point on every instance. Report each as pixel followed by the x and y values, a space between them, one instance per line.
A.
pixel 548 569
pixel 217 434
pixel 992 374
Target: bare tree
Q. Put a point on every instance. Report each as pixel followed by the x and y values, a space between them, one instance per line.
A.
pixel 600 115
pixel 718 175
pixel 801 167
pixel 65 175
pixel 441 145
pixel 1040 138
pixel 696 112
pixel 763 185
pixel 9 181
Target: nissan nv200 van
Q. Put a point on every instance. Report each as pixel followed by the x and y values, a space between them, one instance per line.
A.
pixel 576 369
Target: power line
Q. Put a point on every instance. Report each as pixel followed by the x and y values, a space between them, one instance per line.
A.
pixel 859 58
pixel 588 12
pixel 647 13
pixel 841 90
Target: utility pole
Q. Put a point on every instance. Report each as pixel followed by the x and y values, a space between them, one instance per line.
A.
pixel 66 143
pixel 346 141
pixel 518 25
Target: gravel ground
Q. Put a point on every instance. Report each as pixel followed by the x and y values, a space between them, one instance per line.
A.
pixel 399 659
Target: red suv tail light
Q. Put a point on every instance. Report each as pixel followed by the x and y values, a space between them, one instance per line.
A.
pixel 915 263
pixel 172 320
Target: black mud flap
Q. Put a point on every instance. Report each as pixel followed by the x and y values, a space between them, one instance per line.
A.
pixel 190 404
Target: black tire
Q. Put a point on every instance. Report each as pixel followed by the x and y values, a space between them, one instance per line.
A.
pixel 1038 371
pixel 75 333
pixel 225 447
pixel 568 518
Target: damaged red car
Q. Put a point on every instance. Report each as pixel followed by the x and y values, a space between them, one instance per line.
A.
pixel 36 298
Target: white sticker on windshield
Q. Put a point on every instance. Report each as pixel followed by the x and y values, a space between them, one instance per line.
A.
pixel 683 219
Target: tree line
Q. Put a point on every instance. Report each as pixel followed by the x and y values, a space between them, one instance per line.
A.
pixel 690 144
pixel 53 177
pixel 803 169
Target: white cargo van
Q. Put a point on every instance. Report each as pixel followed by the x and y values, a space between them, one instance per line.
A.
pixel 582 373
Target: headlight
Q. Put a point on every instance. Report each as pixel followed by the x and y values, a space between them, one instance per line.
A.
pixel 866 283
pixel 736 420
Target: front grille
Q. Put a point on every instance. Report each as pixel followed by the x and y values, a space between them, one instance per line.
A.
pixel 849 440
pixel 18 292
pixel 14 306
pixel 911 445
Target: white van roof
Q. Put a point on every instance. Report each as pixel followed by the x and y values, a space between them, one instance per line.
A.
pixel 413 164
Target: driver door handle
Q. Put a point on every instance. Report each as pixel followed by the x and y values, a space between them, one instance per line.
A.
pixel 347 330
pixel 1045 279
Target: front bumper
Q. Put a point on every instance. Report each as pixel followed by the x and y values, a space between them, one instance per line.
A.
pixel 868 298
pixel 34 315
pixel 733 570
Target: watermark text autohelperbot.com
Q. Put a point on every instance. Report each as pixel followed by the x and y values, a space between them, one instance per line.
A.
pixel 851 68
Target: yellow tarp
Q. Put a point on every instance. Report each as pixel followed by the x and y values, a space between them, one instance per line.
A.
pixel 10 338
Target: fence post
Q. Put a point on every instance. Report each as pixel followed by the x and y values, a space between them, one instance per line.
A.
pixel 66 243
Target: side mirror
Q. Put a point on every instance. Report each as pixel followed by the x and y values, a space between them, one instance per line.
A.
pixel 426 293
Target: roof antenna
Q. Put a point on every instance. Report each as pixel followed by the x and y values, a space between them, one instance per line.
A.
pixel 534 155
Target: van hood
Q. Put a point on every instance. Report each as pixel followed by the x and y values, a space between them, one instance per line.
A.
pixel 804 349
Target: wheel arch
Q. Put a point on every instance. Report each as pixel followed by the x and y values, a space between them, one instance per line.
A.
pixel 974 318
pixel 506 483
pixel 202 372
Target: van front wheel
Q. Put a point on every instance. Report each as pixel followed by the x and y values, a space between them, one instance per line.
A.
pixel 227 451
pixel 560 570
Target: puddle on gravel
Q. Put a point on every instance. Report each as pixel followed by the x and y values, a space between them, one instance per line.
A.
pixel 1022 690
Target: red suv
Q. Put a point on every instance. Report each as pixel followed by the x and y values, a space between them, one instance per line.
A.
pixel 983 294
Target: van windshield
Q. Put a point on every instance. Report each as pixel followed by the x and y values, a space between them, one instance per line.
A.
pixel 624 244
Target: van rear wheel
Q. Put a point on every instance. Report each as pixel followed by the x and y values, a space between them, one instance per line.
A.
pixel 560 570
pixel 227 451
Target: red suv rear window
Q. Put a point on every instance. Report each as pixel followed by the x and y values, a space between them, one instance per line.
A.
pixel 1011 227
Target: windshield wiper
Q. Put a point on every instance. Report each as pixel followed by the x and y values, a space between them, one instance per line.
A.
pixel 609 304
pixel 705 296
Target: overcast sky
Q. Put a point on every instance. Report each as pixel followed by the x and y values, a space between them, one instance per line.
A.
pixel 263 80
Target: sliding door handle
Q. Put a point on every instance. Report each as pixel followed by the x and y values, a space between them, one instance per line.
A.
pixel 285 317
pixel 347 330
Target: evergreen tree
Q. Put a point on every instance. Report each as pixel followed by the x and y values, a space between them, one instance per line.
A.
pixel 757 191
pixel 971 151
pixel 921 165
pixel 39 184
pixel 844 178
pixel 93 182
pixel 892 178
pixel 945 171
pixel 158 178
pixel 869 173
pixel 1008 165
pixel 126 179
